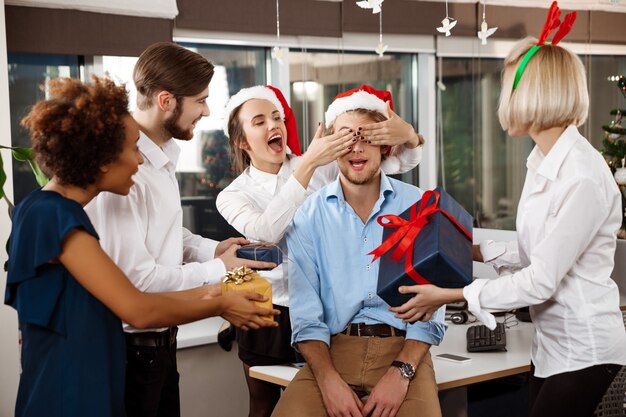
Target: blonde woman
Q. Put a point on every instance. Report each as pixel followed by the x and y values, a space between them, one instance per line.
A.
pixel 568 216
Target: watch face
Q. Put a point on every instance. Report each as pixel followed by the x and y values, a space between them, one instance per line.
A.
pixel 407 370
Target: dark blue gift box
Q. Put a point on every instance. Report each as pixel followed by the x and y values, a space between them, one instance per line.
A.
pixel 261 252
pixel 442 253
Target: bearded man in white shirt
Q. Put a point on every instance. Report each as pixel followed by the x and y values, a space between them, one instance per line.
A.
pixel 144 233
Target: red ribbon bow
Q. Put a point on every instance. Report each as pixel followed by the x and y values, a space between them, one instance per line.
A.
pixel 408 231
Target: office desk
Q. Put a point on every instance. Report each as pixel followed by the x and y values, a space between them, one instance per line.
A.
pixel 484 366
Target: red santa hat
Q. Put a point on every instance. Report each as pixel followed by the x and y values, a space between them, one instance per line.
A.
pixel 364 97
pixel 274 96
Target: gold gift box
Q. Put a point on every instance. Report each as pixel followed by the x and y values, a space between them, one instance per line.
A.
pixel 245 279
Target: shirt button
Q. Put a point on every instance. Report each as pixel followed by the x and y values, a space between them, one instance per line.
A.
pixel 365 239
pixel 368 267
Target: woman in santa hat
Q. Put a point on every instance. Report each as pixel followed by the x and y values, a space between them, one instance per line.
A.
pixel 261 202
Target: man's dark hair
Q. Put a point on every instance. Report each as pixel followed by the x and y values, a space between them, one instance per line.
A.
pixel 165 66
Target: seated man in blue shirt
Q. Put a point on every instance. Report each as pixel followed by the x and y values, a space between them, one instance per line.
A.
pixel 361 360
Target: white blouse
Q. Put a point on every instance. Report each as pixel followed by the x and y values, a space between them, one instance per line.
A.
pixel 560 266
pixel 261 205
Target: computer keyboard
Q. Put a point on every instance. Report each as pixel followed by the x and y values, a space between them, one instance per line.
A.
pixel 480 338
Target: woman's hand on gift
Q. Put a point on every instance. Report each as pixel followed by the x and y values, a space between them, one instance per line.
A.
pixel 427 300
pixel 230 259
pixel 391 132
pixel 212 291
pixel 224 245
pixel 241 311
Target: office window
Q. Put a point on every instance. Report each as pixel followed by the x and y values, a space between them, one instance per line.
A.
pixel 316 77
pixel 603 94
pixel 482 167
pixel 28 74
pixel 206 168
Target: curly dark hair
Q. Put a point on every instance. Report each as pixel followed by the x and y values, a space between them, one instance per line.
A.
pixel 78 129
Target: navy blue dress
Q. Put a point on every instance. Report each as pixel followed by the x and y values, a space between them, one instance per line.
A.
pixel 73 351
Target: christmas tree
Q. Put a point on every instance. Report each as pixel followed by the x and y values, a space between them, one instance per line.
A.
pixel 614 151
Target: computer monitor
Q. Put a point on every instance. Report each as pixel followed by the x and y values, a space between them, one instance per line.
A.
pixel 201 217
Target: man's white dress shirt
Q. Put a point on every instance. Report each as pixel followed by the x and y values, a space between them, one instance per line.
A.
pixel 567 219
pixel 261 205
pixel 143 232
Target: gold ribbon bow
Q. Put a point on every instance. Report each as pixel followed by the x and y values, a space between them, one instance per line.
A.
pixel 240 275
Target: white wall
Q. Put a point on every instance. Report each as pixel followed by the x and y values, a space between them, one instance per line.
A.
pixel 9 357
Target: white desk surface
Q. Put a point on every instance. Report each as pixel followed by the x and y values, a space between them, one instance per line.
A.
pixel 484 366
pixel 201 332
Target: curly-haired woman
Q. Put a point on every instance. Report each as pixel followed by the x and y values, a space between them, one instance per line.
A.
pixel 66 290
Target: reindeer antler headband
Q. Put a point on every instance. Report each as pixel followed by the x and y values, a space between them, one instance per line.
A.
pixel 552 22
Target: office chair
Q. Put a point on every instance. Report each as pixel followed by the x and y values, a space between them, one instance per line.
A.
pixel 613 403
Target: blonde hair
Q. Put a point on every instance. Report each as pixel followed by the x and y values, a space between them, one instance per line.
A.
pixel 373 115
pixel 552 91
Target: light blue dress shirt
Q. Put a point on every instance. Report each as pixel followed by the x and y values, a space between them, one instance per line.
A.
pixel 332 281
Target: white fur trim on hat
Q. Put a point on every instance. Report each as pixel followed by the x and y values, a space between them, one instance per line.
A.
pixel 257 92
pixel 359 100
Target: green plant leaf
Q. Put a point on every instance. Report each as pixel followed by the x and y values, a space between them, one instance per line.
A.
pixel 27 155
pixel 40 177
pixel 22 154
pixel 3 177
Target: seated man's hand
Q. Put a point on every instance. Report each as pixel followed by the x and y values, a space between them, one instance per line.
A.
pixel 339 399
pixel 230 259
pixel 241 311
pixel 225 244
pixel 387 396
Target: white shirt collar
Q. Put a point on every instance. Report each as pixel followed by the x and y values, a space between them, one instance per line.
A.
pixel 157 156
pixel 266 180
pixel 549 166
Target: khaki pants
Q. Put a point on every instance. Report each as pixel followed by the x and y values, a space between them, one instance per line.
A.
pixel 361 362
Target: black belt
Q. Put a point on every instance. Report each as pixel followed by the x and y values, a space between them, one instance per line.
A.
pixel 165 338
pixel 378 330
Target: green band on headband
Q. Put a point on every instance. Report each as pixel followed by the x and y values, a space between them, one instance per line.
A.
pixel 522 66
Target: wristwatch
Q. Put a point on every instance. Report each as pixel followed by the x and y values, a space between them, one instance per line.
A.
pixel 406 369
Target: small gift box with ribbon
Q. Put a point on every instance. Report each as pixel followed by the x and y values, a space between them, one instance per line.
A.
pixel 266 252
pixel 434 238
pixel 245 279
